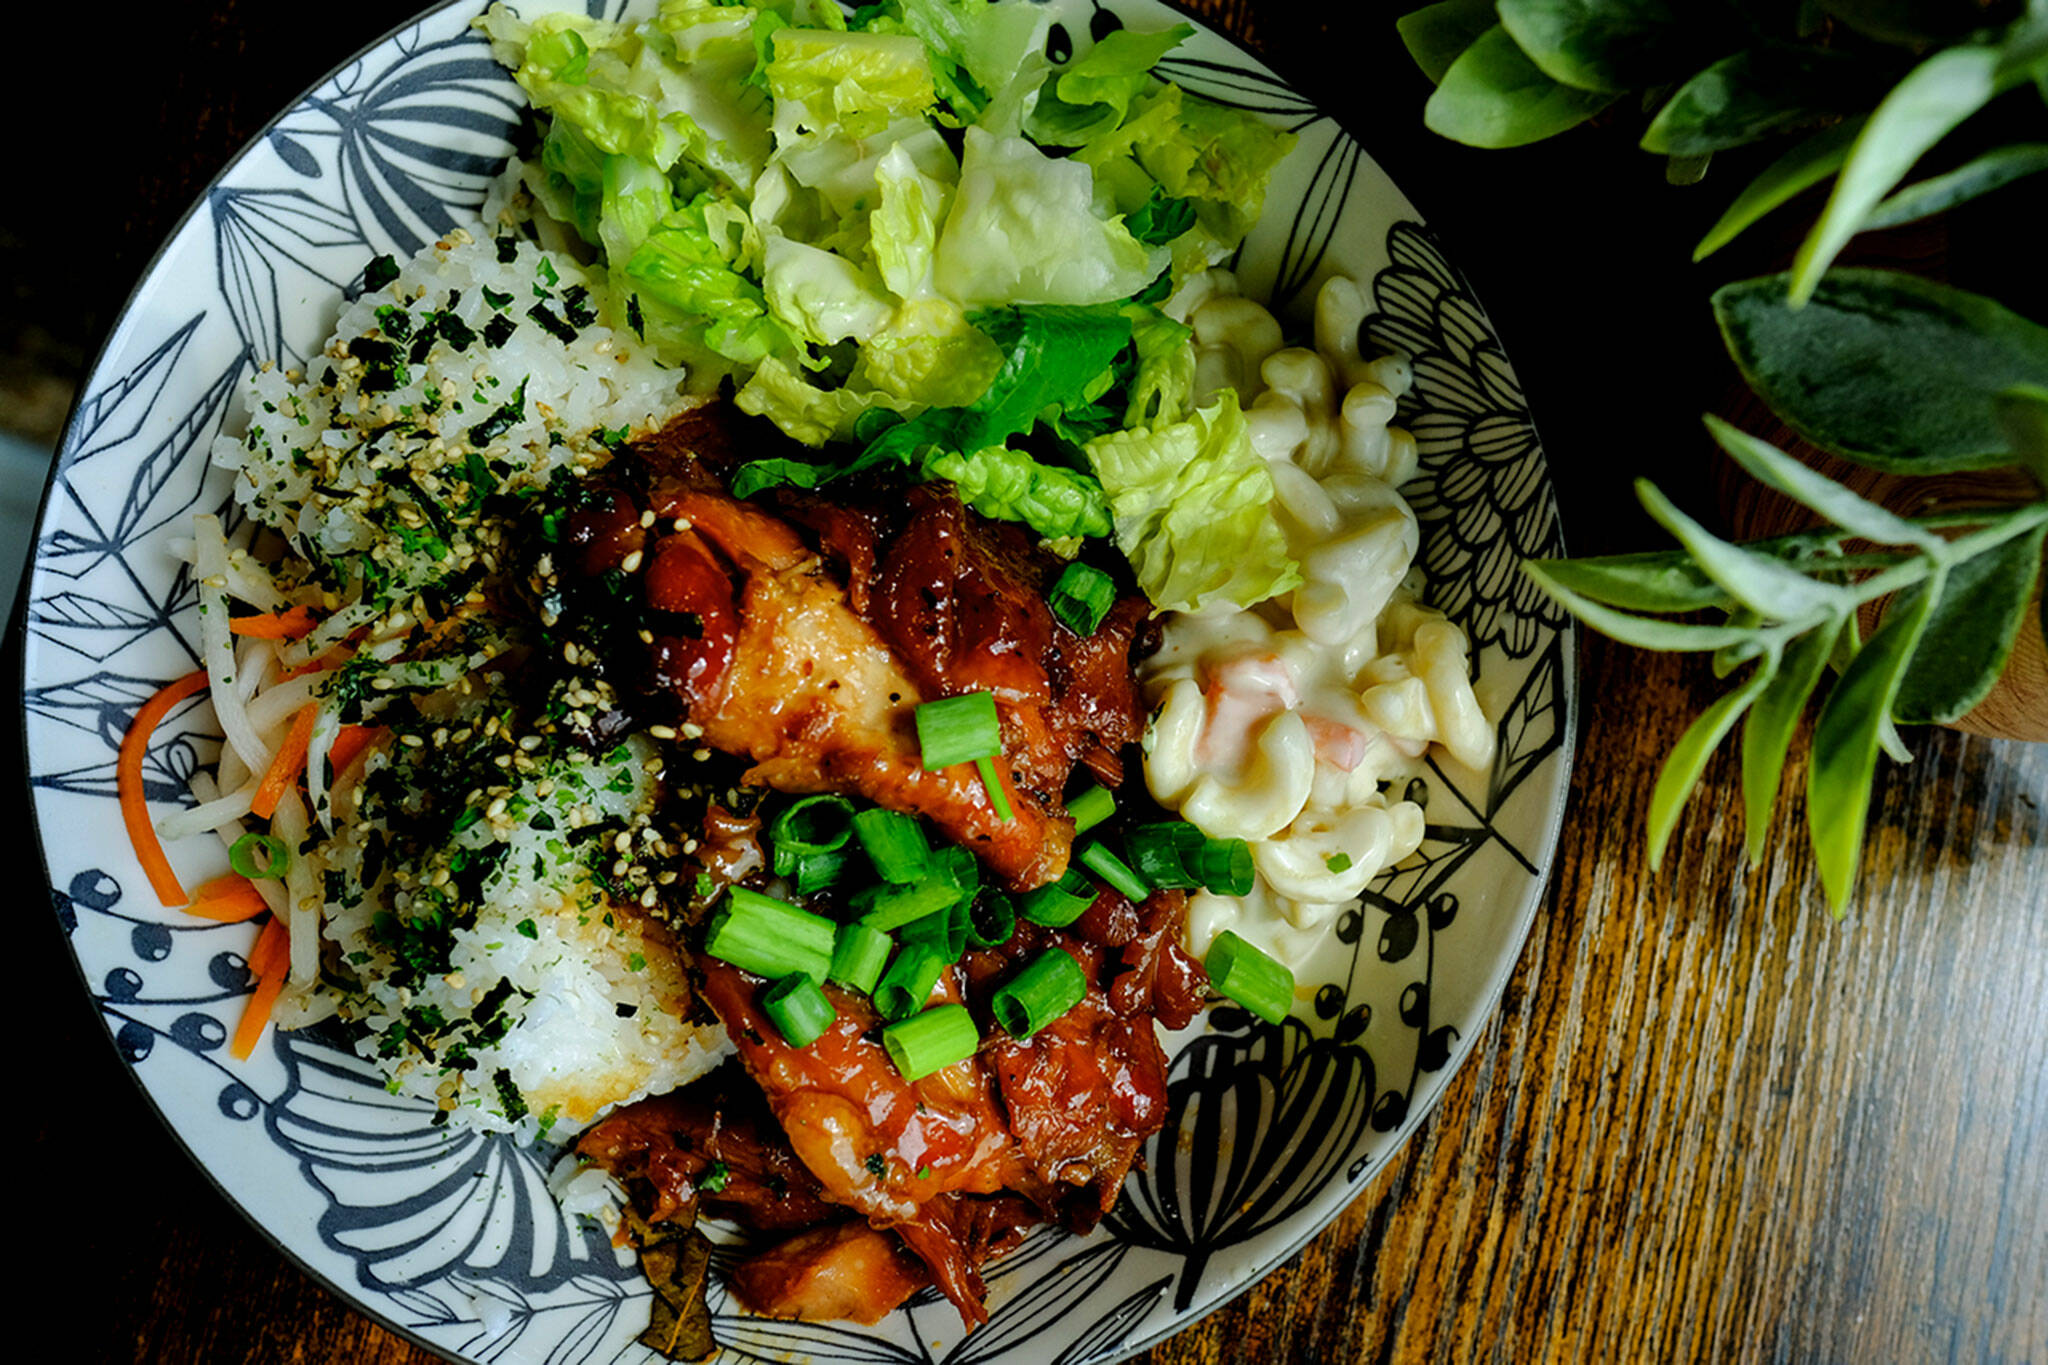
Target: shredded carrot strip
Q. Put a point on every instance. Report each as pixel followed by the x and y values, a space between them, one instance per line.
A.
pixel 349 745
pixel 288 624
pixel 287 765
pixel 272 955
pixel 229 899
pixel 149 851
pixel 270 960
pixel 256 1015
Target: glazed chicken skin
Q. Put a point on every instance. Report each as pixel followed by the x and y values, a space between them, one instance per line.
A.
pixel 802 635
pixel 954 1167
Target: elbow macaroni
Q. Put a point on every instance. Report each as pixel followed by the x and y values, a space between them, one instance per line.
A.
pixel 1286 724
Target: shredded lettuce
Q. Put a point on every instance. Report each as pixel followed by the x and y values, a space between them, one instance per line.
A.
pixel 1192 503
pixel 1024 229
pixel 910 241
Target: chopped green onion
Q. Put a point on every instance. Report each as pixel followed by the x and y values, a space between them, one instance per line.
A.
pixel 1224 866
pixel 958 730
pixel 991 920
pixel 814 871
pixel 908 983
pixel 1058 904
pixel 770 938
pixel 993 782
pixel 1161 851
pixel 945 931
pixel 1091 808
pixel 889 907
pixel 798 1008
pixel 1048 986
pixel 1248 976
pixel 813 824
pixel 1082 597
pixel 858 957
pixel 894 844
pixel 259 856
pixel 1115 871
pixel 938 1037
pixel 958 868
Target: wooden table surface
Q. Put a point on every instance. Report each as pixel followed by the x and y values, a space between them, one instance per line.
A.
pixel 1708 1122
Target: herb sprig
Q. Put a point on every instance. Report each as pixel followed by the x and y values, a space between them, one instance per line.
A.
pixel 1881 368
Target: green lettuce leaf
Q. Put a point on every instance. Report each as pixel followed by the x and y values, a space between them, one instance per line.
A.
pixel 688 296
pixel 851 84
pixel 1012 486
pixel 1024 229
pixel 1093 95
pixel 1192 504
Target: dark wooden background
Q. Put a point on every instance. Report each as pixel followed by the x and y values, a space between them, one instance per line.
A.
pixel 1708 1122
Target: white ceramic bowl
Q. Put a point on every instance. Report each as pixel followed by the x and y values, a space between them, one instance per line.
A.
pixel 453 1239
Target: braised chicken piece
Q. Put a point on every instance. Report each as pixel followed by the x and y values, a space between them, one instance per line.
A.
pixel 800 632
pixel 710 1147
pixel 892 1150
pixel 802 636
pixel 849 1271
pixel 1057 1118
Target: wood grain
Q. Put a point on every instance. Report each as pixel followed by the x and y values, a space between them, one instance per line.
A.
pixel 1708 1122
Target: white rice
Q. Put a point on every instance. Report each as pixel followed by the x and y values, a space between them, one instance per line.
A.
pixel 315 444
pixel 553 1002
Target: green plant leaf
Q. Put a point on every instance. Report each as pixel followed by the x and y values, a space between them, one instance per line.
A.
pixel 1610 45
pixel 1937 194
pixel 1767 729
pixel 1687 170
pixel 1846 738
pixel 1688 758
pixel 1494 96
pixel 1657 581
pixel 1920 111
pixel 1970 633
pixel 1768 587
pixel 1641 631
pixel 1911 22
pixel 1886 369
pixel 1810 161
pixel 1757 92
pixel 1835 503
pixel 1436 34
pixel 2022 414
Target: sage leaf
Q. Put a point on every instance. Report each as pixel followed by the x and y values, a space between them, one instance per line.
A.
pixel 1886 369
pixel 1845 745
pixel 2023 54
pixel 1767 729
pixel 1756 92
pixel 1921 109
pixel 1641 631
pixel 1970 632
pixel 1494 96
pixel 1611 45
pixel 1436 34
pixel 1938 194
pixel 1728 658
pixel 2022 414
pixel 1768 587
pixel 1835 503
pixel 1911 22
pixel 1688 758
pixel 1810 161
pixel 1686 170
pixel 1657 581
